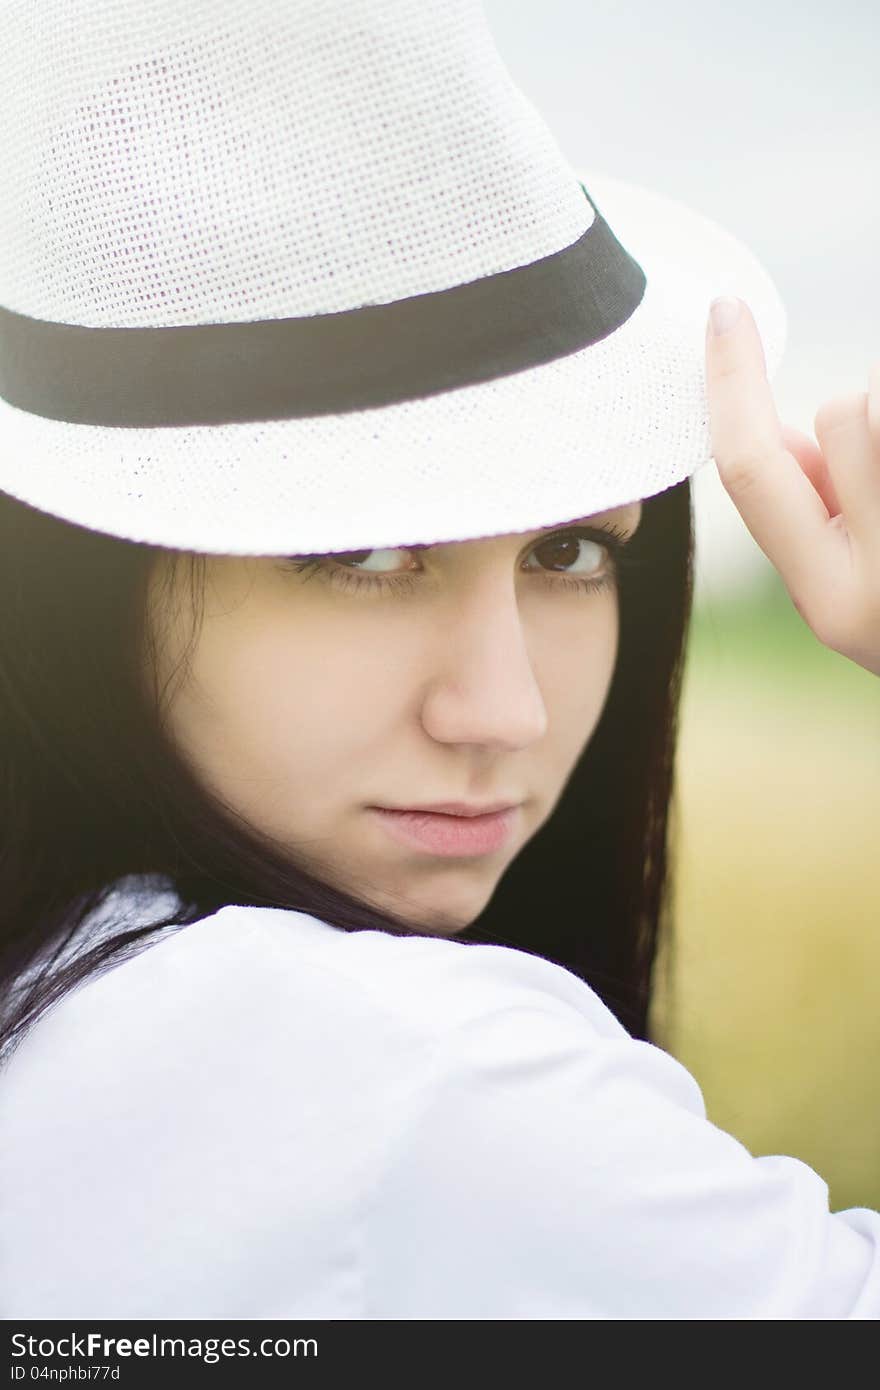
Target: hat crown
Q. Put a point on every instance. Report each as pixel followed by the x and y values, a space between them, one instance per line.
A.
pixel 184 163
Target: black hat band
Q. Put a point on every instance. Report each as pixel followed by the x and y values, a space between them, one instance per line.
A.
pixel 375 355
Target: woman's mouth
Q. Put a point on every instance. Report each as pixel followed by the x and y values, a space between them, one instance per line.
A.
pixel 441 833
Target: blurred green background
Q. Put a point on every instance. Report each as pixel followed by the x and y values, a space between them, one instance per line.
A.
pixel 770 989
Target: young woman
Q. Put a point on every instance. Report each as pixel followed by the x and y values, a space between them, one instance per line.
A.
pixel 346 557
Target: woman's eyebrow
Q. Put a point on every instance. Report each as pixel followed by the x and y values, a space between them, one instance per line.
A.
pixel 599 520
pixel 596 519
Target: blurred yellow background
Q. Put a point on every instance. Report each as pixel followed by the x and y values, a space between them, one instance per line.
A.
pixel 770 992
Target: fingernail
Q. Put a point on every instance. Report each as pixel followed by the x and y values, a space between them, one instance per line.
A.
pixel 723 314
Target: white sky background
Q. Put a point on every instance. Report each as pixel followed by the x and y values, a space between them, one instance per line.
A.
pixel 764 115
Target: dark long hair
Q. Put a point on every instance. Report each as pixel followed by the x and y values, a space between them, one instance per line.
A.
pixel 92 790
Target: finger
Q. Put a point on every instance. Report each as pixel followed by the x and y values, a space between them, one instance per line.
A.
pixel 874 403
pixel 844 435
pixel 814 464
pixel 774 496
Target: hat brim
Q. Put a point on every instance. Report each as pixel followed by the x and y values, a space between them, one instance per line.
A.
pixel 618 421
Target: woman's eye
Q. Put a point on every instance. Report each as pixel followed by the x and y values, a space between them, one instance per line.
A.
pixel 381 561
pixel 571 559
pixel 571 554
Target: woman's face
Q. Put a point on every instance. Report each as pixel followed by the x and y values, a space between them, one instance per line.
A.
pixel 475 673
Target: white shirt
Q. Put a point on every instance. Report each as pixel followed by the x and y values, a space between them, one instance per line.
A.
pixel 263 1116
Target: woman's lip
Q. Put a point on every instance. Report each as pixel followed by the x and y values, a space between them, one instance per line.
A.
pixel 457 808
pixel 438 832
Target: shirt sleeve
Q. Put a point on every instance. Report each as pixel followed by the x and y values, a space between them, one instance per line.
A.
pixel 552 1173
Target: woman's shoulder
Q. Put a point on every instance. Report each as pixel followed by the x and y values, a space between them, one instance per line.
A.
pixel 242 1087
pixel 241 955
pixel 358 1124
pixel 264 979
pixel 428 982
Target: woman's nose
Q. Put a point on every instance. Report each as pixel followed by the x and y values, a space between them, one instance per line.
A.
pixel 484 688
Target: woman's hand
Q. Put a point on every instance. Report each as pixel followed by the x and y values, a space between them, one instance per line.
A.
pixel 815 512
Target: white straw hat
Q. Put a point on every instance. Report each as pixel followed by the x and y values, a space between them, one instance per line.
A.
pixel 292 276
